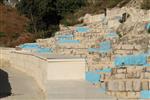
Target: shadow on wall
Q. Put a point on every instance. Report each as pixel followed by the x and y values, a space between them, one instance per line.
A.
pixel 5 88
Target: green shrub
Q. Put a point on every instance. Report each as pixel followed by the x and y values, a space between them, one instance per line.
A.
pixel 2 34
pixel 1 1
pixel 70 20
pixel 15 35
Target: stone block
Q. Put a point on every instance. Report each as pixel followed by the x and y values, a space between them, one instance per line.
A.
pixel 137 85
pixel 130 69
pixel 138 74
pixel 145 85
pixel 146 75
pixel 147 69
pixel 129 85
pixel 129 75
pixel 121 70
pixel 113 86
pixel 120 76
pixel 114 71
pixel 133 95
pixel 121 86
pixel 107 76
pixel 133 75
pixel 121 94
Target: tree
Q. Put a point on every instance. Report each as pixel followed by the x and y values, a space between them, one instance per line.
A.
pixel 45 15
pixel 68 6
pixel 1 1
pixel 41 13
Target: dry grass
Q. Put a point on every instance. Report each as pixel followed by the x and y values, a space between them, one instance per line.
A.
pixel 12 25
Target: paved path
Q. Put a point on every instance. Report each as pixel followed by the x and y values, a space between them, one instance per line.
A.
pixel 75 90
pixel 23 86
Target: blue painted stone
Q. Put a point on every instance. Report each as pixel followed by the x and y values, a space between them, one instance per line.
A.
pixel 29 46
pixel 92 77
pixel 112 35
pixel 68 41
pixel 140 59
pixel 44 50
pixel 145 94
pixel 105 70
pixel 82 29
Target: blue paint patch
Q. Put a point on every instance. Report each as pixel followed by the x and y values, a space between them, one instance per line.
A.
pixel 67 36
pixel 105 70
pixel 112 35
pixel 82 29
pixel 69 41
pixel 92 77
pixel 146 65
pixel 105 47
pixel 131 60
pixel 147 26
pixel 93 49
pixel 44 50
pixel 145 94
pixel 29 46
pixel 36 48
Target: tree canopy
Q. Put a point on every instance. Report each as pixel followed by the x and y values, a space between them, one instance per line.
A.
pixel 45 14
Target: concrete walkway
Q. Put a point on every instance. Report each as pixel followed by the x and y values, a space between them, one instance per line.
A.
pixel 75 90
pixel 23 86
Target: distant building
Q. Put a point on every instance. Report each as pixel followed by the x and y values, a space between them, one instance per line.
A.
pixel 11 3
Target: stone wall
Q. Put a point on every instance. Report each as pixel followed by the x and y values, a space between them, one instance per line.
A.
pixel 127 82
pixel 27 63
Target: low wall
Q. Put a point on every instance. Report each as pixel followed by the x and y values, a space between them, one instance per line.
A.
pixel 28 63
pixel 43 69
pixel 5 57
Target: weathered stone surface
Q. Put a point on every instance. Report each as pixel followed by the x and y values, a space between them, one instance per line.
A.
pixel 121 86
pixel 147 69
pixel 107 76
pixel 129 75
pixel 149 85
pixel 130 69
pixel 138 75
pixel 133 95
pixel 114 71
pixel 113 86
pixel 147 75
pixel 137 85
pixel 121 70
pixel 145 85
pixel 133 75
pixel 121 94
pixel 120 76
pixel 129 86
